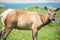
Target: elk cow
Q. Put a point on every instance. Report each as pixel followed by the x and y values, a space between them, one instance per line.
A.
pixel 26 21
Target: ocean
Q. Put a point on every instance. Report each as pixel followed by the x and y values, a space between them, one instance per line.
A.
pixel 27 5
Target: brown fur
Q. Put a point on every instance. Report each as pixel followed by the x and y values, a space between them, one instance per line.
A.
pixel 25 21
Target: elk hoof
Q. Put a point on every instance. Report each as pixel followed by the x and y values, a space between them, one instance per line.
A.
pixel 0 34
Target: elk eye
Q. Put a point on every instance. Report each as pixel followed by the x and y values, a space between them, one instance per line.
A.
pixel 55 14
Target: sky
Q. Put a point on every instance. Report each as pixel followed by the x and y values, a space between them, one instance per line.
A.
pixel 29 1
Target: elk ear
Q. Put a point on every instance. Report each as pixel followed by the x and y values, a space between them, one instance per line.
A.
pixel 46 8
pixel 57 9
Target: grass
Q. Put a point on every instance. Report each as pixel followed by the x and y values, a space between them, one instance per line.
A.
pixel 48 32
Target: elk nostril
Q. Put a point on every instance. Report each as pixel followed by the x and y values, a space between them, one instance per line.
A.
pixel 53 19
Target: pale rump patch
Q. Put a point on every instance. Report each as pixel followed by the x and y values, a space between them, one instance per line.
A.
pixel 4 14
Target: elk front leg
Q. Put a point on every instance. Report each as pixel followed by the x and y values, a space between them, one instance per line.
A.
pixel 34 34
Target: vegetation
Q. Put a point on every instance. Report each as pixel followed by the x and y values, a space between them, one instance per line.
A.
pixel 48 32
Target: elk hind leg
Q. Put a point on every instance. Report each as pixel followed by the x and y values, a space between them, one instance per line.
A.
pixel 5 33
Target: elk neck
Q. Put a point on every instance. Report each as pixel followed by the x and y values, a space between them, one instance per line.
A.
pixel 45 19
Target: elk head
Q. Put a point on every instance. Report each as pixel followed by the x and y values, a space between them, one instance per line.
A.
pixel 51 13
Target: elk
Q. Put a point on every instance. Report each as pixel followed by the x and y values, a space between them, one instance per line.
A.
pixel 26 21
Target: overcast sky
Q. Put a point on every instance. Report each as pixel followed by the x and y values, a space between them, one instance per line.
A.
pixel 29 1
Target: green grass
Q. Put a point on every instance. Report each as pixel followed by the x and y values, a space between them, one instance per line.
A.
pixel 48 32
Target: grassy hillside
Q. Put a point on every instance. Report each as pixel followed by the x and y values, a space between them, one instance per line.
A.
pixel 48 32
